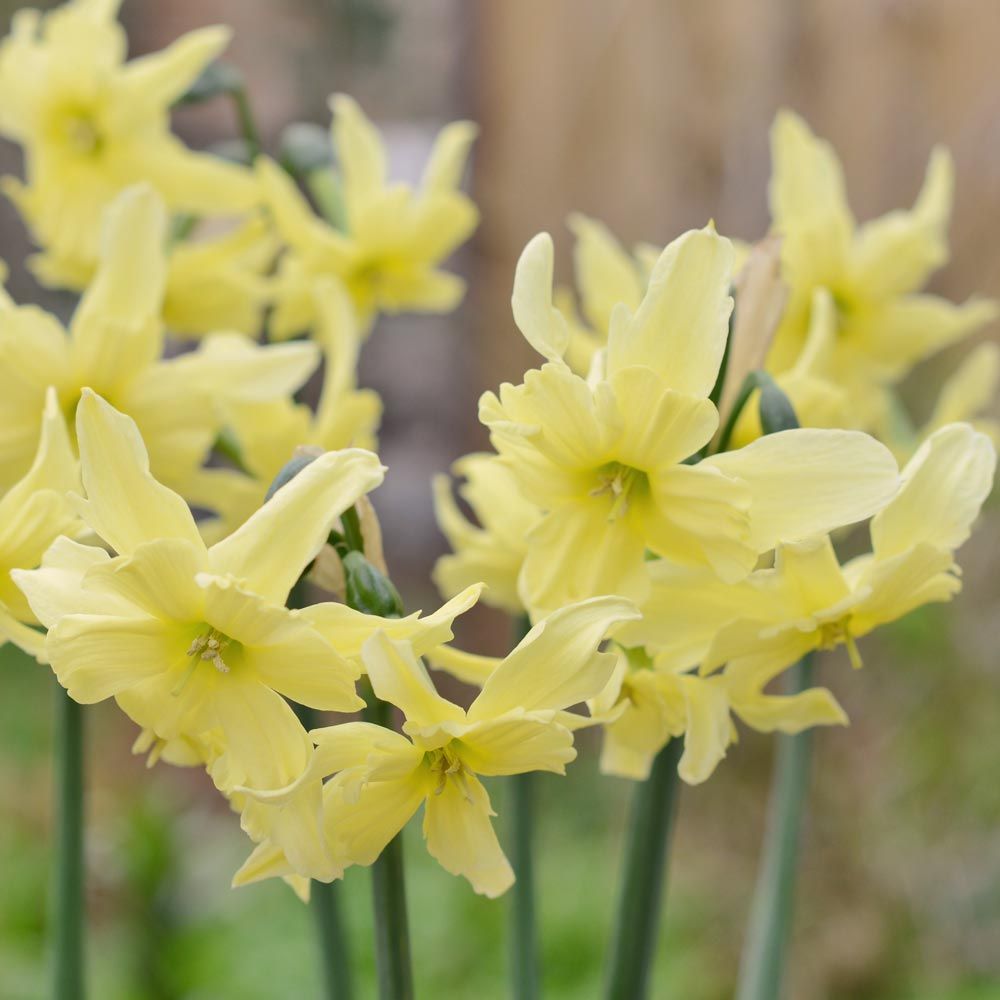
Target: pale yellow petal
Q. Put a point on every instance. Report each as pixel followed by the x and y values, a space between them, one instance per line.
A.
pixel 556 664
pixel 125 505
pixel 514 744
pixel 543 326
pixel 461 837
pixel 605 274
pixel 944 486
pixel 681 327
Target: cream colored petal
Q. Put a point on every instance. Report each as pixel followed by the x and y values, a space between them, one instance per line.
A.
pixel 556 664
pixel 471 668
pixel 681 327
pixel 359 149
pixel 461 837
pixel 898 252
pixel 30 640
pixel 95 657
pixel 397 676
pixel 707 733
pixel 515 744
pixel 944 487
pixel 301 514
pixel 970 388
pixel 151 83
pixel 807 482
pixel 448 159
pixel 605 273
pixel 791 713
pixel 542 325
pixel 125 505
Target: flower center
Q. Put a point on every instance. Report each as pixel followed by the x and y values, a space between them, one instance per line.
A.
pixel 832 633
pixel 622 483
pixel 207 646
pixel 445 764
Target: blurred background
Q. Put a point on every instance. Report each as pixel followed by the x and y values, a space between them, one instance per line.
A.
pixel 651 115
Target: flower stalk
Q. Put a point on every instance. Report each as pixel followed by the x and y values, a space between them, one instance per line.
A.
pixel 763 961
pixel 654 805
pixel 68 930
pixel 524 955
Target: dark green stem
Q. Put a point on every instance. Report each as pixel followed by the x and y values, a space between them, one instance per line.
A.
pixel 248 126
pixel 525 963
pixel 68 926
pixel 392 933
pixel 763 961
pixel 644 878
pixel 525 967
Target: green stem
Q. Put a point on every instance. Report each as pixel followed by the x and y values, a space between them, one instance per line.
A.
pixel 248 126
pixel 68 971
pixel 392 934
pixel 324 902
pixel 525 968
pixel 763 960
pixel 525 964
pixel 643 880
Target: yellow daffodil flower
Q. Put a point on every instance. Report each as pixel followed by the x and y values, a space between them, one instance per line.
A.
pixel 33 513
pixel 220 283
pixel 91 125
pixel 114 345
pixel 196 638
pixel 494 550
pixel 649 702
pixel 267 434
pixel 607 459
pixel 394 238
pixel 883 325
pixel 812 602
pixel 513 726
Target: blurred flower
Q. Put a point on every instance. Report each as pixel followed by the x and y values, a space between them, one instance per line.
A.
pixel 493 551
pixel 220 283
pixel 33 513
pixel 91 125
pixel 606 459
pixel 513 726
pixel 393 238
pixel 882 325
pixel 266 433
pixel 114 346
pixel 199 638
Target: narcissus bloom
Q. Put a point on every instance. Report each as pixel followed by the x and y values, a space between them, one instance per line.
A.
pixel 114 345
pixel 494 550
pixel 392 239
pixel 198 639
pixel 811 602
pixel 607 459
pixel 648 703
pixel 91 125
pixel 873 272
pixel 513 726
pixel 33 514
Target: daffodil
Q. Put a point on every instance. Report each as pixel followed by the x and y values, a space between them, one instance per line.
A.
pixel 114 344
pixel 649 702
pixel 494 550
pixel 883 324
pixel 608 460
pixel 266 434
pixel 809 601
pixel 91 125
pixel 513 726
pixel 33 513
pixel 196 638
pixel 220 282
pixel 394 238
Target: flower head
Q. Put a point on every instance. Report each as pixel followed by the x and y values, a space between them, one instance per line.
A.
pixel 198 639
pixel 393 238
pixel 91 125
